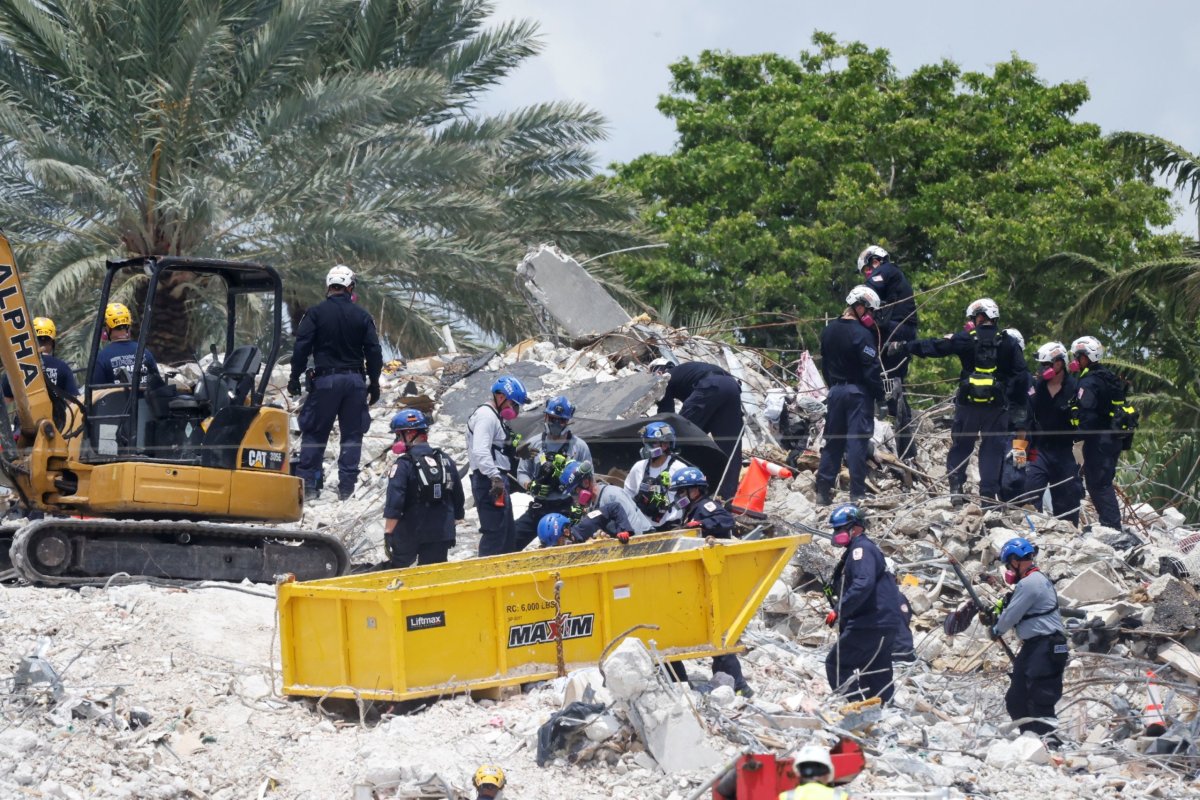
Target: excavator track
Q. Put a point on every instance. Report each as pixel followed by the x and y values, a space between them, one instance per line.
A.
pixel 67 551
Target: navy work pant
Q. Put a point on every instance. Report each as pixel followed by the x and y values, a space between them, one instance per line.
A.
pixel 848 428
pixel 715 407
pixel 867 651
pixel 971 422
pixel 1037 681
pixel 1054 467
pixel 341 397
pixel 497 531
pixel 728 663
pixel 527 523
pixel 406 551
pixel 1100 455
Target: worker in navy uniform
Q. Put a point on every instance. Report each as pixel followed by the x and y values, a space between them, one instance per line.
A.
pixel 114 363
pixel 1032 610
pixel 492 455
pixel 58 372
pixel 538 475
pixel 424 496
pixel 711 518
pixel 1099 393
pixel 555 529
pixel 649 480
pixel 1051 436
pixel 902 648
pixel 712 401
pixel 851 368
pixel 992 397
pixel 866 611
pixel 897 322
pixel 341 339
pixel 606 509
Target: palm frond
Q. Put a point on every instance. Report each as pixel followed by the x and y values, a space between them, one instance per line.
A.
pixel 1163 156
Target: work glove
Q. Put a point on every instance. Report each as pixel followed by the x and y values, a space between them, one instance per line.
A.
pixel 623 537
pixel 373 393
pixel 497 490
pixel 694 524
pixel 293 386
pixel 987 617
pixel 540 489
pixel 1019 455
pixel 1077 451
pixel 831 618
pixel 896 349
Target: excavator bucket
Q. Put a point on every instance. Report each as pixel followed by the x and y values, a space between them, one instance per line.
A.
pixel 488 622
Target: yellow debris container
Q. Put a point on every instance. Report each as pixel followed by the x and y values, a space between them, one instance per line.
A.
pixel 488 622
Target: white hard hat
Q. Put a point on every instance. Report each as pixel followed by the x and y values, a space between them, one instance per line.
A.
pixel 814 754
pixel 1090 346
pixel 874 251
pixel 986 306
pixel 341 275
pixel 1016 334
pixel 863 294
pixel 1051 351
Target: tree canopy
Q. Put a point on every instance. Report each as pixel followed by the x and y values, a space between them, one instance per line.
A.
pixel 302 134
pixel 785 169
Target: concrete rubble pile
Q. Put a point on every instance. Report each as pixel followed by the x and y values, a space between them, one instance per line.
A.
pixel 146 692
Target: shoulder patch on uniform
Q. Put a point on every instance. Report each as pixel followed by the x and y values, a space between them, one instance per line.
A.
pixel 904 607
pixel 594 514
pixel 392 471
pixel 857 554
pixel 1079 396
pixel 869 350
pixel 877 278
pixel 1032 391
pixel 710 506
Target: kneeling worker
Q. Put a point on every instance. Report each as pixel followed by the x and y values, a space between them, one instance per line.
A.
pixel 606 509
pixel 424 496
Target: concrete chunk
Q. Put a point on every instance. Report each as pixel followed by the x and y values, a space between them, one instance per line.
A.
pixel 1090 586
pixel 629 670
pixel 1022 750
pixel 673 736
pixel 577 301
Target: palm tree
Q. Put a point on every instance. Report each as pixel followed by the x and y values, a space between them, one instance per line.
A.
pixel 1160 155
pixel 298 132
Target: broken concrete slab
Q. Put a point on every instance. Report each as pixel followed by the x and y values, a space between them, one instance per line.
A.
pixel 578 303
pixel 1176 605
pixel 629 670
pixel 624 398
pixel 672 733
pixel 1090 586
pixel 1182 659
pixel 460 402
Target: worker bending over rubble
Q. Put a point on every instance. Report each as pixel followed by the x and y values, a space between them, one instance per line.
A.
pixel 649 480
pixel 550 451
pixel 1032 610
pixel 424 496
pixel 606 509
pixel 492 455
pixel 712 401
pixel 867 611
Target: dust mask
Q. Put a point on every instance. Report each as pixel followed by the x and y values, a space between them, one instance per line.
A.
pixel 651 452
pixel 555 429
pixel 585 497
pixel 841 539
pixel 683 501
pixel 1048 373
pixel 1010 576
pixel 508 413
pixel 968 326
pixel 399 447
pixel 867 320
pixel 1075 366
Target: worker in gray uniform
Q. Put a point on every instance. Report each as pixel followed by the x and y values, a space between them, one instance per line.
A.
pixel 1032 610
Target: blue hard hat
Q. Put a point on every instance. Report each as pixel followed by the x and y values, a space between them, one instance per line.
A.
pixel 409 419
pixel 511 388
pixel 658 433
pixel 1019 548
pixel 551 528
pixel 847 514
pixel 560 407
pixel 688 478
pixel 573 474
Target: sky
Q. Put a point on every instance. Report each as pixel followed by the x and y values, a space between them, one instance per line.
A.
pixel 1140 60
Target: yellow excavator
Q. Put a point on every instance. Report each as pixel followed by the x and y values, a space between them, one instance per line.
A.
pixel 142 479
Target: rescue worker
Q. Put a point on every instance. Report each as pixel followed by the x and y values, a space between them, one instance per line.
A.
pixel 114 363
pixel 1050 422
pixel 649 480
pixel 606 509
pixel 57 371
pixel 1099 393
pixel 1032 610
pixel 489 782
pixel 902 648
pixel 424 496
pixel 712 401
pixel 867 612
pixel 538 475
pixel 851 368
pixel 991 399
pixel 1012 468
pixel 700 510
pixel 814 768
pixel 555 529
pixel 347 359
pixel 492 455
pixel 896 321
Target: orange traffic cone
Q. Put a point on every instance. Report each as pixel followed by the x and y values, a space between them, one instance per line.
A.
pixel 1153 717
pixel 752 490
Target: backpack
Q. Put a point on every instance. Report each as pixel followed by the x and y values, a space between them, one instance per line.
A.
pixel 434 475
pixel 980 386
pixel 1124 417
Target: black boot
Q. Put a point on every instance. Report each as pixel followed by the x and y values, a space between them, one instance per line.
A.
pixel 824 495
pixel 957 499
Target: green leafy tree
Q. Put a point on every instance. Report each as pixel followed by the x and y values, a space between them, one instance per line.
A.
pixel 301 133
pixel 785 169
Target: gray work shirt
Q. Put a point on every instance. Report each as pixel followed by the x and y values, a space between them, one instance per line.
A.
pixel 1033 597
pixel 645 471
pixel 485 437
pixel 541 446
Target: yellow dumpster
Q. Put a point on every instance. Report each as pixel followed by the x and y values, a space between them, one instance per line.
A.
pixel 488 622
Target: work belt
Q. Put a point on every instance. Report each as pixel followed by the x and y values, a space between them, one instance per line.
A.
pixel 320 373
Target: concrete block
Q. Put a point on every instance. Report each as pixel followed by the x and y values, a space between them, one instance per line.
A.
pixel 1023 750
pixel 602 727
pixel 779 599
pixel 1182 659
pixel 673 736
pixel 624 398
pixel 1090 586
pixel 577 301
pixel 629 670
pixel 468 394
pixel 1173 517
pixel 586 686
